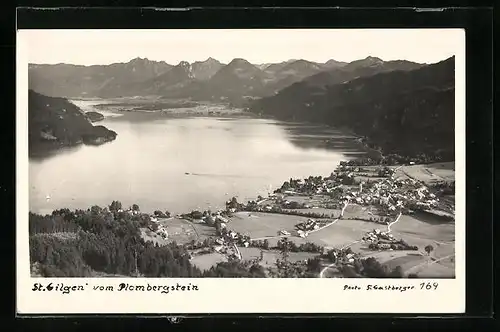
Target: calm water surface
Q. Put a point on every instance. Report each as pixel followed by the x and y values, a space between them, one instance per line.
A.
pixel 148 162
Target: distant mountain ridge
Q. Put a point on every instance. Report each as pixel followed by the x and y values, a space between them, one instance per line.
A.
pixel 204 70
pixel 176 77
pixel 201 80
pixel 402 107
pixel 65 80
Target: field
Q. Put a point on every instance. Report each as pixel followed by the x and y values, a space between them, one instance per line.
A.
pixel 340 234
pixel 440 236
pixel 181 231
pixel 430 173
pixel 435 270
pixel 422 233
pixel 361 212
pixel 270 256
pixel 149 235
pixel 206 261
pixel 314 200
pixel 260 225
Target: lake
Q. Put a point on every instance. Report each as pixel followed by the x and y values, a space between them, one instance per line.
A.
pixel 182 163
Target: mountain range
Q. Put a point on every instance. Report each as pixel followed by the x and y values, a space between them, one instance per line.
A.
pixel 201 80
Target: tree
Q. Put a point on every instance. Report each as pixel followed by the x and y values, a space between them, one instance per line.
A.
pixel 135 207
pixel 159 214
pixel 332 255
pixel 115 206
pixel 358 266
pixel 314 264
pixel 265 244
pixel 196 215
pixel 428 249
pixel 210 221
pixel 397 272
pixel 154 226
pixel 348 272
pixel 218 228
pixel 283 245
pixel 95 210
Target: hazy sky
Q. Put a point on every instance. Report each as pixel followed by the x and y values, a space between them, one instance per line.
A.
pixel 87 47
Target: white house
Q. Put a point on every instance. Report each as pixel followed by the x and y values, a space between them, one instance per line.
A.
pixel 162 232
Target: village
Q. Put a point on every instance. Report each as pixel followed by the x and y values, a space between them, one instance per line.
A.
pixel 317 203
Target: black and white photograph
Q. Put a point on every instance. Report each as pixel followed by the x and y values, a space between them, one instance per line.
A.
pixel 313 153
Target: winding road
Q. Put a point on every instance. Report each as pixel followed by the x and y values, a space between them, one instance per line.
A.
pixel 325 268
pixel 392 223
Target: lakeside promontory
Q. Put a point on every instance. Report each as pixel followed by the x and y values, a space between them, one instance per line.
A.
pixel 54 122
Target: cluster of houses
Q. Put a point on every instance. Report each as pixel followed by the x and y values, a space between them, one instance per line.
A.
pixel 130 211
pixel 343 256
pixel 285 204
pixel 304 228
pixel 311 185
pixel 377 235
pixel 226 250
pixel 379 240
pixel 392 195
pixel 207 217
pixel 161 230
pixel 228 237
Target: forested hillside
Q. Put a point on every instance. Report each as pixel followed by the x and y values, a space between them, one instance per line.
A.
pixel 408 112
pixel 79 243
pixel 54 122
